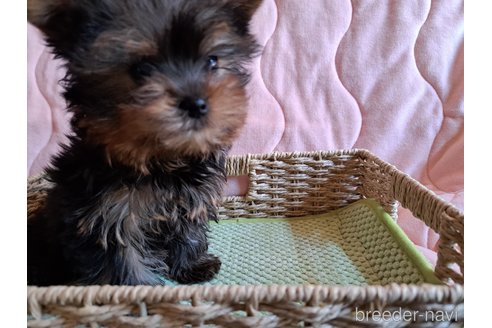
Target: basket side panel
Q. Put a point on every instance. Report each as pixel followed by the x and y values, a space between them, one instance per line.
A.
pixel 442 217
pixel 377 183
pixel 297 185
pixel 391 187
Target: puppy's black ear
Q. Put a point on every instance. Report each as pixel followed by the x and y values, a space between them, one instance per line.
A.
pixel 66 23
pixel 39 12
pixel 244 11
pixel 248 7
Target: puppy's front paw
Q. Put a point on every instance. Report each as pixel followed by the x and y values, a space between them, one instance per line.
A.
pixel 202 270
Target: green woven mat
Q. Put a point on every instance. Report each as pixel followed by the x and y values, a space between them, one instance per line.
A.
pixel 357 245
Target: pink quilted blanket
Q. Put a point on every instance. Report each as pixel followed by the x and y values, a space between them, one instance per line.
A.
pixel 382 75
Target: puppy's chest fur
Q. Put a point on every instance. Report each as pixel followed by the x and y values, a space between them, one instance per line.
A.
pixel 148 208
pixel 185 190
pixel 165 200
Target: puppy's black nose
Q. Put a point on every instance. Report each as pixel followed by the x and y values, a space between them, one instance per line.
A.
pixel 195 107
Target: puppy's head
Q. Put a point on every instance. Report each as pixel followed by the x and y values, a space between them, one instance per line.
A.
pixel 152 78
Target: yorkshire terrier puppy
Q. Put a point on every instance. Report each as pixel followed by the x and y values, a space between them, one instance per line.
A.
pixel 157 93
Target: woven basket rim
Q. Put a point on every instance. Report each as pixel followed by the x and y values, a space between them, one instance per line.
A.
pixel 108 294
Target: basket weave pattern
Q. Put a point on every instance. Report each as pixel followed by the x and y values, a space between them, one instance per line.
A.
pixel 281 185
pixel 287 186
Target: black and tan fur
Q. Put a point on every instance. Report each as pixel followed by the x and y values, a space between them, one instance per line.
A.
pixel 156 89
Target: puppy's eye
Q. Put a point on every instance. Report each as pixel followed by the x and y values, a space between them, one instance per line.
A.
pixel 142 69
pixel 212 62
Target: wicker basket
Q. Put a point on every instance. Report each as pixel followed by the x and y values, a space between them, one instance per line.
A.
pixel 283 185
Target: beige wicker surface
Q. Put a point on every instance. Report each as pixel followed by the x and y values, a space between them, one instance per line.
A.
pixel 281 185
